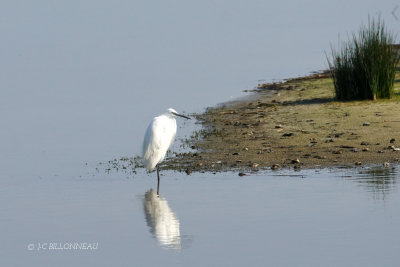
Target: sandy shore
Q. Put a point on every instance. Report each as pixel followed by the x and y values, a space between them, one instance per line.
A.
pixel 294 124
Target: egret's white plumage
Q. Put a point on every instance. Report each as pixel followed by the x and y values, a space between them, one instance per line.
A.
pixel 159 137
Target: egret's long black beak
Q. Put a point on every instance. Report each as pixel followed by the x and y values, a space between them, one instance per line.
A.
pixel 183 116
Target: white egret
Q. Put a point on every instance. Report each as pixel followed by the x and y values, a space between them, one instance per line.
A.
pixel 160 135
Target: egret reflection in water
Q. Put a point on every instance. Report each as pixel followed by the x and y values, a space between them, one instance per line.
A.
pixel 163 223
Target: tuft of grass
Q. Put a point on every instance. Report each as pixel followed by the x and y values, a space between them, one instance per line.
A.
pixel 365 66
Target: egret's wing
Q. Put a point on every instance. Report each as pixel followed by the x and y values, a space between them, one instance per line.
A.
pixel 158 138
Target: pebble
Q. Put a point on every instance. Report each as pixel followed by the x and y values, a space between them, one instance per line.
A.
pixel 287 134
pixel 364 143
pixel 365 149
pixel 255 165
pixel 297 167
pixel 380 151
pixel 366 123
pixel 392 140
pixel 354 150
pixel 386 164
pixel 242 174
pixel 358 163
pixel 337 152
pixel 188 171
pixel 278 126
pixel 320 157
pixel 235 154
pixel 295 161
pixel 275 167
pixel 245 149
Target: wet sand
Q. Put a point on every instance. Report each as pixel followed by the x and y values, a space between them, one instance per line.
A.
pixel 294 124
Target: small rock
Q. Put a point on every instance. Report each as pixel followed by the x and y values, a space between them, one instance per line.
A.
pixel 294 161
pixel 380 151
pixel 391 147
pixel 188 171
pixel 235 154
pixel 200 164
pixel 366 123
pixel 193 147
pixel 242 174
pixel 386 164
pixel 320 157
pixel 245 149
pixel 365 149
pixel 278 126
pixel 287 134
pixel 364 143
pixel 297 167
pixel 337 152
pixel 358 163
pixel 396 149
pixel 239 161
pixel 255 165
pixel 354 149
pixel 392 140
pixel 275 167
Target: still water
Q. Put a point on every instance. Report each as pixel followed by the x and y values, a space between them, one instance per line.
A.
pixel 79 82
pixel 308 218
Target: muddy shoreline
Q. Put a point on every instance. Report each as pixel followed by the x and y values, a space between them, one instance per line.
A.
pixel 296 124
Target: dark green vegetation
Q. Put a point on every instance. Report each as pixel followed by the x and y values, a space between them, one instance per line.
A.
pixel 364 67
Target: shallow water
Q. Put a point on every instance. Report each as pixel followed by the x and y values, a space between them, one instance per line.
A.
pixel 307 218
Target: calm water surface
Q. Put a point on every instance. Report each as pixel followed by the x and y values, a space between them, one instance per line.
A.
pixel 307 218
pixel 79 82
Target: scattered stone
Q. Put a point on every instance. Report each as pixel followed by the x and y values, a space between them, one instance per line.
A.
pixel 279 126
pixel 386 164
pixel 200 164
pixel 320 157
pixel 245 149
pixel 392 140
pixel 287 134
pixel 391 147
pixel 255 165
pixel 193 147
pixel 366 123
pixel 275 167
pixel 297 167
pixel 329 140
pixel 380 151
pixel 294 161
pixel 364 143
pixel 239 161
pixel 365 149
pixel 188 171
pixel 235 153
pixel 354 150
pixel 242 174
pixel 358 163
pixel 344 146
pixel 260 152
pixel 396 149
pixel 337 152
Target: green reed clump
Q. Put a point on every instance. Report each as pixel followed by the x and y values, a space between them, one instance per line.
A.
pixel 364 67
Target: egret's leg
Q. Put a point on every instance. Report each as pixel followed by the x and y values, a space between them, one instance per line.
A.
pixel 158 180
